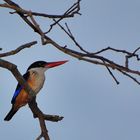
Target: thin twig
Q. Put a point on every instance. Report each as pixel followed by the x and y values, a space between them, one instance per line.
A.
pixel 26 12
pixel 131 77
pixel 13 52
pixel 126 61
pixel 69 33
pixel 39 137
pixel 113 49
pixel 136 50
pixel 43 40
pixel 110 72
pixel 74 9
pixel 133 54
pixel 52 118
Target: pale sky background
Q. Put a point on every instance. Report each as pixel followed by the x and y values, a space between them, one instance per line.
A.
pixel 93 106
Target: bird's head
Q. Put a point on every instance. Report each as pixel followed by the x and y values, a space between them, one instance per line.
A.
pixel 45 65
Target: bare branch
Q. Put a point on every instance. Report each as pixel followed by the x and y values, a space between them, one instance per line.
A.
pixel 37 112
pixel 26 12
pixel 131 77
pixel 113 49
pixel 81 56
pixel 74 9
pixel 13 69
pixel 110 72
pixel 39 137
pixel 133 54
pixel 94 58
pixel 53 118
pixel 38 28
pixel 136 50
pixel 27 45
pixel 69 33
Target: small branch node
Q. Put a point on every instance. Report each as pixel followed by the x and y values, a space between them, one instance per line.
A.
pixel 110 72
pixel 65 46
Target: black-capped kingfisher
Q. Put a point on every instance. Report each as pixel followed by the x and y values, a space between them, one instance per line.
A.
pixel 35 76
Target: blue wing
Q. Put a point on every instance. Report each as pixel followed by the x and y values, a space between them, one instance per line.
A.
pixel 16 94
pixel 19 88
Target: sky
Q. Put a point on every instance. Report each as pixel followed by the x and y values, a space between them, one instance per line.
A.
pixel 93 106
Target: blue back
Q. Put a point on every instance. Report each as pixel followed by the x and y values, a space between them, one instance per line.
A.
pixel 19 88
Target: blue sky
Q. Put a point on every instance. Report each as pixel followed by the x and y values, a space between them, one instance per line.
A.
pixel 93 106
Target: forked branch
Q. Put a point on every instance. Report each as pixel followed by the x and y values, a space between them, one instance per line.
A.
pixel 32 102
pixel 95 57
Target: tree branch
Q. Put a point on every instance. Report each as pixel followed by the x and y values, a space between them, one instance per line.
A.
pixel 26 12
pixel 37 112
pixel 82 54
pixel 110 72
pixel 79 55
pixel 13 52
pixel 74 9
pixel 13 69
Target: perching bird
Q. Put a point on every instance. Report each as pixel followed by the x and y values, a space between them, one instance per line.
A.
pixel 35 76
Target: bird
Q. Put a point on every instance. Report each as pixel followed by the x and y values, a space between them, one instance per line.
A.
pixel 35 77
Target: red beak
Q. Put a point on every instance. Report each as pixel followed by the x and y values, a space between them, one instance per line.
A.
pixel 54 64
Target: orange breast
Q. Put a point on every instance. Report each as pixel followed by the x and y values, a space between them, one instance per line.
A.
pixel 23 97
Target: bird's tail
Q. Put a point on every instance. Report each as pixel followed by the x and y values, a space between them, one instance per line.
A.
pixel 10 114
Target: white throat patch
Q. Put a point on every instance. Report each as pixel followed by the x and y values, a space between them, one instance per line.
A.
pixel 38 76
